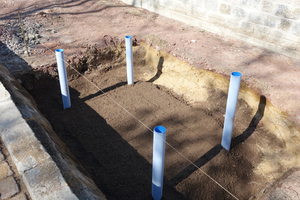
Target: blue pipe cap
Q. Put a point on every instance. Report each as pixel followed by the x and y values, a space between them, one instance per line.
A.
pixel 128 36
pixel 236 74
pixel 160 129
pixel 59 50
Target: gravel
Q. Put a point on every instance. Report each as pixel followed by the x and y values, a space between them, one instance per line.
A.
pixel 11 35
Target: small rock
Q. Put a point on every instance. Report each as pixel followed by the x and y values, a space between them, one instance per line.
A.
pixel 37 25
pixel 5 170
pixel 1 157
pixel 15 40
pixel 53 31
pixel 31 36
pixel 193 41
pixel 19 197
pixel 8 187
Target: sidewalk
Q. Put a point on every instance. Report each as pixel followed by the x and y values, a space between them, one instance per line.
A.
pixel 11 183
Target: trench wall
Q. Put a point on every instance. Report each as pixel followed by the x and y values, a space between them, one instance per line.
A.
pixel 271 24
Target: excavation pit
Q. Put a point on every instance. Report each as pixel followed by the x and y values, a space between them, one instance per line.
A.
pixel 116 149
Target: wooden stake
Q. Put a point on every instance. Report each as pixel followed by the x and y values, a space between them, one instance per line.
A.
pixel 23 33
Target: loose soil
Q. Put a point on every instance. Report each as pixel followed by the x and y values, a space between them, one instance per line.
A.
pixel 116 149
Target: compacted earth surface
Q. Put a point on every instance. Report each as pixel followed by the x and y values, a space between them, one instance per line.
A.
pixel 110 134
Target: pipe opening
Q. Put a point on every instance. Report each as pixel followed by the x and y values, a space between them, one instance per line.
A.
pixel 59 50
pixel 160 129
pixel 236 74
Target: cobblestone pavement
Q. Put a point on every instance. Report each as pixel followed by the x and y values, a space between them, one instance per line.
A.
pixel 11 183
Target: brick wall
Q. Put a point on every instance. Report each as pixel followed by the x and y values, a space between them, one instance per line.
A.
pixel 272 24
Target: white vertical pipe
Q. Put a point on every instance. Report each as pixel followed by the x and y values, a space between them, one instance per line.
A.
pixel 159 138
pixel 129 59
pixel 232 99
pixel 63 80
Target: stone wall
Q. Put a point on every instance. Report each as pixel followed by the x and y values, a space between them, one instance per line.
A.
pixel 272 24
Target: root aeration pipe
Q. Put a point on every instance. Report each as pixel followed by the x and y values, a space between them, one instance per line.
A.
pixel 129 59
pixel 159 138
pixel 63 80
pixel 232 99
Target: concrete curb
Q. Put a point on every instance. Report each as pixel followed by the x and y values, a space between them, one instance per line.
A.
pixel 47 167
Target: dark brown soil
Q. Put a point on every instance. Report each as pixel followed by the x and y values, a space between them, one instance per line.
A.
pixel 117 150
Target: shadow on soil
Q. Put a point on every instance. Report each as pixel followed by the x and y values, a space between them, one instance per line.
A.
pixel 104 91
pixel 159 70
pixel 14 63
pixel 114 165
pixel 113 170
pixel 217 149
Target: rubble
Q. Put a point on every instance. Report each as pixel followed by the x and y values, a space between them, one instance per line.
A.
pixel 11 35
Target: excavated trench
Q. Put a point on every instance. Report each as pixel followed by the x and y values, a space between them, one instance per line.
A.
pixel 116 149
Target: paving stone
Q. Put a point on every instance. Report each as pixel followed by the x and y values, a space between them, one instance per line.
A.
pixel 286 11
pixel 250 3
pixel 296 29
pixel 270 21
pixel 267 6
pixel 8 188
pixel 211 5
pixel 1 157
pixel 225 9
pixel 255 18
pixel 4 170
pixel 19 197
pixel 238 12
pixel 285 24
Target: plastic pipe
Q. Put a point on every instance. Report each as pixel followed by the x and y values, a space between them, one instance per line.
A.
pixel 159 139
pixel 63 80
pixel 129 59
pixel 233 93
